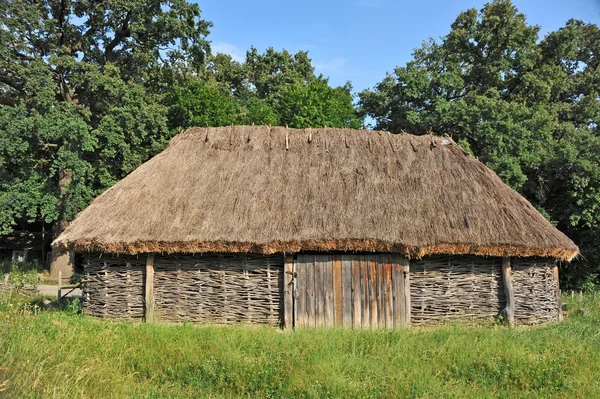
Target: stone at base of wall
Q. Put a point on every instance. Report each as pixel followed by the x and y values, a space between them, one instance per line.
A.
pixel 61 262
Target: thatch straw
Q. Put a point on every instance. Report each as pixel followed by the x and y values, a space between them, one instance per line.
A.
pixel 268 189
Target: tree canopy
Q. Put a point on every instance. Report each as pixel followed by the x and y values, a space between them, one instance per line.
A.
pixel 276 88
pixel 526 107
pixel 83 86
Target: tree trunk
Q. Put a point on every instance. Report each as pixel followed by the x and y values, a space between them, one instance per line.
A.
pixel 61 261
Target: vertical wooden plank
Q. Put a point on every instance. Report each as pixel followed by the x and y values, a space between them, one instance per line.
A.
pixel 365 298
pixel 301 314
pixel 509 310
pixel 337 289
pixel 319 291
pixel 373 291
pixel 398 291
pixel 311 306
pixel 558 297
pixel 379 264
pixel 149 285
pixel 288 292
pixel 347 291
pixel 407 304
pixel 356 292
pixel 388 296
pixel 328 289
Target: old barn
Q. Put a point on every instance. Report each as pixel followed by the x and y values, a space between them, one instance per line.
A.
pixel 316 227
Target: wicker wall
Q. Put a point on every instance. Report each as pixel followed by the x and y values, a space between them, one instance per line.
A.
pixel 535 290
pixel 219 288
pixel 448 288
pixel 204 288
pixel 113 286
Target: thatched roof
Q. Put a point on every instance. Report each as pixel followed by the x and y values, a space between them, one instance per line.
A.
pixel 270 189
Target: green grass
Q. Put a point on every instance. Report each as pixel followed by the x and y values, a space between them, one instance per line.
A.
pixel 63 355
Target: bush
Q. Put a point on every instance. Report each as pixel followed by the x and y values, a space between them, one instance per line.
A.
pixel 22 274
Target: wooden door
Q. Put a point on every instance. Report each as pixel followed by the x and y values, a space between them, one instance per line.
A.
pixel 360 291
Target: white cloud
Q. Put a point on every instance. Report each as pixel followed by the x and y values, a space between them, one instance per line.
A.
pixel 329 65
pixel 236 53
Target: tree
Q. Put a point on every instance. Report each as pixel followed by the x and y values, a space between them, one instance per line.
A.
pixel 316 104
pixel 529 109
pixel 275 88
pixel 83 85
pixel 199 104
pixel 474 85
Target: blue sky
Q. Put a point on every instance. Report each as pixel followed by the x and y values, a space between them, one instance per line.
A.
pixel 359 40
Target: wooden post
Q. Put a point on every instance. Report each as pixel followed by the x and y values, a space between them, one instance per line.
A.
pixel 407 306
pixel 149 297
pixel 59 283
pixel 558 296
pixel 288 292
pixel 509 310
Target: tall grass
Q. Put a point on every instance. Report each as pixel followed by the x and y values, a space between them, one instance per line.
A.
pixel 61 354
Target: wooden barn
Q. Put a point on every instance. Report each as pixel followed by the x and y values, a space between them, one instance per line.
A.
pixel 316 227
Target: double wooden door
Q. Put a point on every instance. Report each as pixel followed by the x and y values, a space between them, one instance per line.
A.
pixel 359 291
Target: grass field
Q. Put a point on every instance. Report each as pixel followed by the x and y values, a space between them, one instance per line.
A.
pixel 60 354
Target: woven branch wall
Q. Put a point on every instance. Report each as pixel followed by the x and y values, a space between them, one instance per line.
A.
pixel 535 290
pixel 205 288
pixel 448 288
pixel 113 286
pixel 219 288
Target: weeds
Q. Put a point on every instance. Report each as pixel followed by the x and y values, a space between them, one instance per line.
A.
pixel 59 353
pixel 22 274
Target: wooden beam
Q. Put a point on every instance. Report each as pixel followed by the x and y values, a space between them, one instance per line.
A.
pixel 288 292
pixel 149 297
pixel 406 272
pixel 509 310
pixel 558 297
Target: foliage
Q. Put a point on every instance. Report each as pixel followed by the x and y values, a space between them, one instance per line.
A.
pixel 45 354
pixel 71 306
pixel 527 108
pixel 21 274
pixel 275 88
pixel 83 85
pixel 315 104
pixel 198 104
